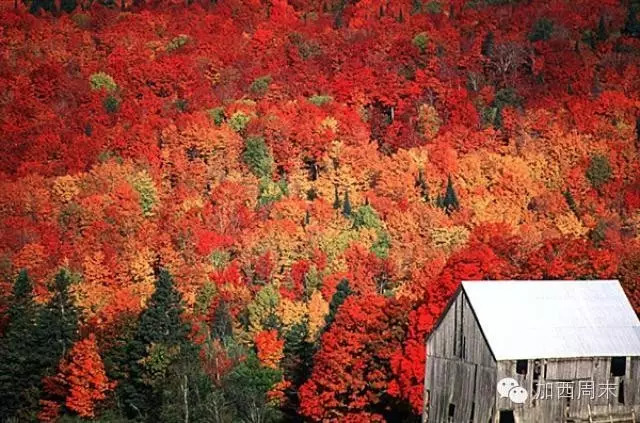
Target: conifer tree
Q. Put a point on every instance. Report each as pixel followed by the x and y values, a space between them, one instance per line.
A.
pixel 346 206
pixel 336 198
pixel 602 32
pixel 160 343
pixel 487 45
pixel 422 185
pixel 20 370
pixel 450 201
pixel 343 290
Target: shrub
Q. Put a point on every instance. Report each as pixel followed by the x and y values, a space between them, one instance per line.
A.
pixel 260 85
pixel 320 100
pixel 178 42
pixel 420 41
pixel 599 171
pixel 239 121
pixel 217 115
pixel 542 30
pixel 111 104
pixel 103 81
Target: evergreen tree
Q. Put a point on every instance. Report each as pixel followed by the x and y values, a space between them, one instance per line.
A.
pixel 59 320
pixel 336 198
pixel 343 290
pixel 160 344
pixel 346 206
pixel 571 202
pixel 296 363
pixel 638 131
pixel 487 45
pixel 602 33
pixel 450 201
pixel 632 25
pixel 20 369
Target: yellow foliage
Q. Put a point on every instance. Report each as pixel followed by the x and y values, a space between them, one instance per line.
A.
pixel 569 225
pixel 65 188
pixel 318 309
pixel 449 238
pixel 291 312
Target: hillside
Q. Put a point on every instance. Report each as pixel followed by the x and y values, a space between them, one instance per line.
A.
pixel 256 210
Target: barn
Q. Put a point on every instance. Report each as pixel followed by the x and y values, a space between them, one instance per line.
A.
pixel 534 352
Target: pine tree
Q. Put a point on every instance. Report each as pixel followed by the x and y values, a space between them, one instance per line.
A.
pixel 343 290
pixel 632 25
pixel 336 198
pixel 20 371
pixel 487 45
pixel 160 342
pixel 346 206
pixel 59 319
pixel 571 202
pixel 638 131
pixel 450 201
pixel 602 33
pixel 35 341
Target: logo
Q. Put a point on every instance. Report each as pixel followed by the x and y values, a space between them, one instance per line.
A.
pixel 509 388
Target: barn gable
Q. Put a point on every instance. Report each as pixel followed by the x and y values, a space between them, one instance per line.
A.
pixel 554 319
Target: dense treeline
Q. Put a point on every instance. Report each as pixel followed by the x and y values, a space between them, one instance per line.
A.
pixel 255 210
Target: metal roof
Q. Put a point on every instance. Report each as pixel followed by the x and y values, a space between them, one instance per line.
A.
pixel 554 319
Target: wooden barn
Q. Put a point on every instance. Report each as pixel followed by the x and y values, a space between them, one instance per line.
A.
pixel 534 352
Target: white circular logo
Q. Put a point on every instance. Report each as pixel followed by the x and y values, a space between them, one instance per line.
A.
pixel 509 388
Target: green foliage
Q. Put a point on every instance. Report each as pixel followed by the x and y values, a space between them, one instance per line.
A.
pixel 148 197
pixel 346 205
pixel 35 340
pixel 270 191
pixel 320 99
pixel 68 5
pixel 336 198
pixel 343 290
pixel 238 121
pixel 366 217
pixel 260 85
pixel 382 245
pixel 420 41
pixel 247 385
pixel 160 343
pixel 542 30
pixel 219 258
pixel 257 156
pixel 262 311
pixel 178 42
pixel 111 104
pixel 599 171
pixel 20 368
pixel 103 81
pixel 203 298
pixel 450 200
pixel 433 7
pixel 217 115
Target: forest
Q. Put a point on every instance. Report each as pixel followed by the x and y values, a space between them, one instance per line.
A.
pixel 255 210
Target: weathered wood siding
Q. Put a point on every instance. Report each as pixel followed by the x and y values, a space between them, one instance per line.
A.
pixel 460 369
pixel 556 409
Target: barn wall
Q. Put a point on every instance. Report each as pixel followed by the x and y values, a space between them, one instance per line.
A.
pixel 460 369
pixel 556 409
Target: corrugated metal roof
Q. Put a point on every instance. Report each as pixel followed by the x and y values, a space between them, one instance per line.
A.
pixel 555 319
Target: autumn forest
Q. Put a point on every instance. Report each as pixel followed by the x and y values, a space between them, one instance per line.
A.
pixel 255 210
